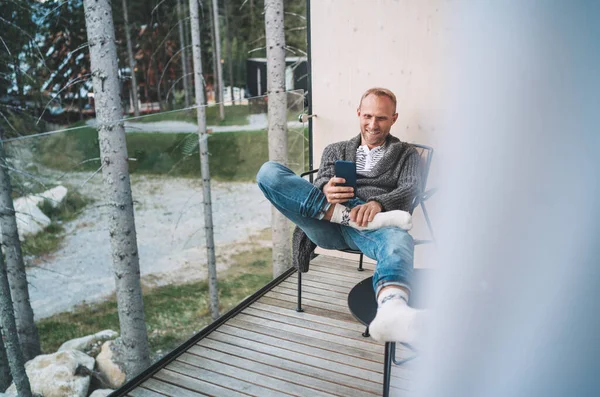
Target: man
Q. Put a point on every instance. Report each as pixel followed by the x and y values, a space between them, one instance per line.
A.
pixel 374 219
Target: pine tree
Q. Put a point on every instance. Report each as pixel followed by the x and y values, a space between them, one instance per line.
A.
pixel 277 109
pixel 132 347
pixel 203 142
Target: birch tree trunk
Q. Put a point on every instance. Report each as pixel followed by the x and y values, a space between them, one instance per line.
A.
pixel 26 329
pixel 136 106
pixel 132 348
pixel 188 58
pixel 184 65
pixel 5 377
pixel 277 109
pixel 214 55
pixel 203 142
pixel 215 10
pixel 229 41
pixel 8 326
pixel 161 104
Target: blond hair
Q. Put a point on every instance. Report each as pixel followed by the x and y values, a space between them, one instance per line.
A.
pixel 378 91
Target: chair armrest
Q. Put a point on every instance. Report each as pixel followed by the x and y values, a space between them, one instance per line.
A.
pixel 427 194
pixel 302 175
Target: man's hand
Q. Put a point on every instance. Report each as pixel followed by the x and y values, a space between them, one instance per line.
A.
pixel 337 194
pixel 363 214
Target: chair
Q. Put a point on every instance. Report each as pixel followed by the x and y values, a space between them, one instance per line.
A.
pixel 361 299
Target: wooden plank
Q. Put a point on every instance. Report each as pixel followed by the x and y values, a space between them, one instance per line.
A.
pixel 297 352
pixel 335 348
pixel 283 348
pixel 297 368
pixel 348 279
pixel 315 290
pixel 350 264
pixel 313 346
pixel 328 279
pixel 225 381
pixel 268 319
pixel 318 284
pixel 326 340
pixel 346 374
pixel 293 293
pixel 335 270
pixel 141 392
pixel 352 325
pixel 166 383
pixel 250 373
pixel 328 306
pixel 309 308
pixel 303 323
pixel 334 265
pixel 262 363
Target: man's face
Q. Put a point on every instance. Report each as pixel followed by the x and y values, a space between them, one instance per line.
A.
pixel 376 116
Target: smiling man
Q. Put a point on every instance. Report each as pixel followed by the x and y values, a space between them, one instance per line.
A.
pixel 374 219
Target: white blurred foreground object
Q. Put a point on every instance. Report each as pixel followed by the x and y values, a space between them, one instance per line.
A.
pixel 517 297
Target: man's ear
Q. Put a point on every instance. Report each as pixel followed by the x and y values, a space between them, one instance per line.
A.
pixel 394 118
pixel 358 111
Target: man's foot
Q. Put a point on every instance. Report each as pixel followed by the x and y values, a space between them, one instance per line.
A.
pixel 396 322
pixel 397 218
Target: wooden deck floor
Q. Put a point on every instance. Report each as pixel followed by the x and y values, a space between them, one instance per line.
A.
pixel 271 350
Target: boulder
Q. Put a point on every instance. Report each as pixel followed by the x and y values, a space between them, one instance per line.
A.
pixel 90 344
pixel 101 393
pixel 57 375
pixel 30 218
pixel 105 365
pixel 55 196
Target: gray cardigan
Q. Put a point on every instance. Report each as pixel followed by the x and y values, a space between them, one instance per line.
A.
pixel 393 182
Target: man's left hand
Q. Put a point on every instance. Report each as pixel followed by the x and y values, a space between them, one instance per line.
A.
pixel 363 214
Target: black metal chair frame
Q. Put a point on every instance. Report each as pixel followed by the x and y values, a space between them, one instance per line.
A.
pixel 422 196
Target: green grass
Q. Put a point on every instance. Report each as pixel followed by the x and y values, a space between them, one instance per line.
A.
pixel 45 242
pixel 234 156
pixel 234 115
pixel 49 240
pixel 173 313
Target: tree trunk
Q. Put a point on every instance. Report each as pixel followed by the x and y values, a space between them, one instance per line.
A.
pixel 251 17
pixel 214 54
pixel 215 10
pixel 229 42
pixel 203 141
pixel 277 109
pixel 8 326
pixel 184 65
pixel 132 348
pixel 188 59
pixel 19 82
pixel 161 104
pixel 26 329
pixel 5 378
pixel 136 106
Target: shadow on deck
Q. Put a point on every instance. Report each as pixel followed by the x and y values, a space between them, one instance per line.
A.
pixel 265 348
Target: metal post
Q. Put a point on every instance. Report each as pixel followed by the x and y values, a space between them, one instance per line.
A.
pixel 387 367
pixel 299 308
pixel 360 263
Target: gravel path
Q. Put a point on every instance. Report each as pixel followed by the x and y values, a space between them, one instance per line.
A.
pixel 255 122
pixel 170 235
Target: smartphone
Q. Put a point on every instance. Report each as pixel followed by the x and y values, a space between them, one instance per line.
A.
pixel 347 170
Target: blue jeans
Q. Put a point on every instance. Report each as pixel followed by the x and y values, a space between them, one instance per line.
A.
pixel 302 203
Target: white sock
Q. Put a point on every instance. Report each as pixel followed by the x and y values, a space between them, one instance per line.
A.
pixel 397 218
pixel 395 320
